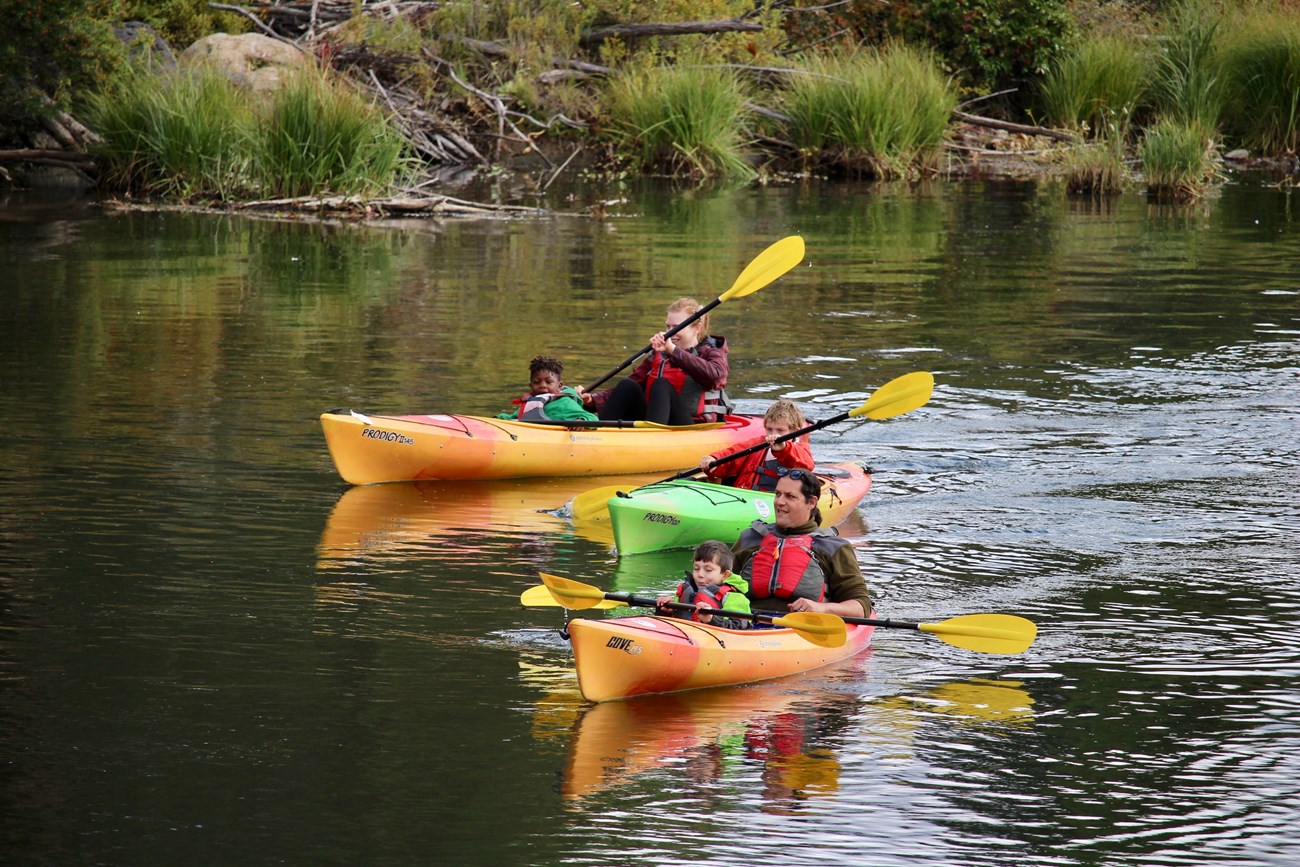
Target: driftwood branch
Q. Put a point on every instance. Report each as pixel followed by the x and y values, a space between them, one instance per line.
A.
pixel 1058 134
pixel 27 155
pixel 639 31
pixel 395 205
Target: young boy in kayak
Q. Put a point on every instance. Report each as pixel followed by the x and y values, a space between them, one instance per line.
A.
pixel 711 584
pixel 760 470
pixel 548 398
pixel 682 381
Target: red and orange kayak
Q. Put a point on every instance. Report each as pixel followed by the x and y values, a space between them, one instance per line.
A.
pixel 625 657
pixel 372 448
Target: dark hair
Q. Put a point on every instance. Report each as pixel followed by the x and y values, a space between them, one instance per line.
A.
pixel 809 485
pixel 714 551
pixel 546 362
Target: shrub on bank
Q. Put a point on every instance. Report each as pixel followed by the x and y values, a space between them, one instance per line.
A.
pixel 1097 82
pixel 1260 62
pixel 684 119
pixel 192 134
pixel 181 135
pixel 879 112
pixel 316 136
pixel 1179 158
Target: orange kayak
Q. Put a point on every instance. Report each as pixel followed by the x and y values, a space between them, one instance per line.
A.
pixel 624 657
pixel 369 449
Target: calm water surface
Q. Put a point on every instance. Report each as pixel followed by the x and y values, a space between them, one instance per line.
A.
pixel 213 651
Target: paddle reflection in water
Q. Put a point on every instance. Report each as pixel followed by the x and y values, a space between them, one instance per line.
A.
pixel 777 742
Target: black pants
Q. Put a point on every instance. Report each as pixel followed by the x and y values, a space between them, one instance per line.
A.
pixel 664 406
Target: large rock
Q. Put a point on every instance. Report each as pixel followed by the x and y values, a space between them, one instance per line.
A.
pixel 250 60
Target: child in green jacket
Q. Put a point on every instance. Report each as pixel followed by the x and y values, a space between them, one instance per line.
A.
pixel 548 398
pixel 712 584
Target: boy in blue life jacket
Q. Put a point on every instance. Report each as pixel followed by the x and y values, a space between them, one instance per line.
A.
pixel 712 584
pixel 548 398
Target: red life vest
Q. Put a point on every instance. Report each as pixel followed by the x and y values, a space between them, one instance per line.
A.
pixel 710 595
pixel 784 567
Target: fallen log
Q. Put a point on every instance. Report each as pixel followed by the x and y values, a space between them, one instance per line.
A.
pixel 1058 134
pixel 681 28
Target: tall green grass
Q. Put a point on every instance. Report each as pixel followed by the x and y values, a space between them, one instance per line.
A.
pixel 1179 159
pixel 682 119
pixel 1099 82
pixel 1260 59
pixel 1187 86
pixel 880 112
pixel 1097 169
pixel 193 134
pixel 316 136
pixel 184 135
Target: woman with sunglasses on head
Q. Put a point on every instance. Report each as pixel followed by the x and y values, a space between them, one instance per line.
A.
pixel 682 381
pixel 792 564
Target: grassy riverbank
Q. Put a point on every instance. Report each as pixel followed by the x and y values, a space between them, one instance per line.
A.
pixel 1151 99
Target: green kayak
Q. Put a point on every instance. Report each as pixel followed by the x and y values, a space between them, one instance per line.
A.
pixel 684 512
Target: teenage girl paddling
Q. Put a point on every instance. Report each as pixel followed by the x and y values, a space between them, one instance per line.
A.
pixel 680 382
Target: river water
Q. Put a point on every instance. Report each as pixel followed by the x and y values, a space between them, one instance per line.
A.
pixel 212 650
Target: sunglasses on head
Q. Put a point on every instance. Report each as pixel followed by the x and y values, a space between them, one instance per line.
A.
pixel 797 475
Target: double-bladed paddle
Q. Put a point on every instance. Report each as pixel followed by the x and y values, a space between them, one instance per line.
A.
pixel 825 630
pixel 982 633
pixel 766 267
pixel 896 397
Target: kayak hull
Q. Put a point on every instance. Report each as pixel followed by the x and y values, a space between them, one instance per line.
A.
pixel 619 658
pixel 682 513
pixel 371 449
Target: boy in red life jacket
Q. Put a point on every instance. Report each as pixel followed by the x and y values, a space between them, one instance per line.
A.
pixel 793 564
pixel 548 398
pixel 759 471
pixel 682 381
pixel 712 584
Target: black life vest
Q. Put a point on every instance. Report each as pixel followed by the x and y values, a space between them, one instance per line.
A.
pixel 767 473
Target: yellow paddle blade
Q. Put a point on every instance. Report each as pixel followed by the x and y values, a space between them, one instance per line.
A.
pixel 538 596
pixel 825 630
pixel 573 594
pixel 766 267
pixel 590 505
pixel 904 394
pixel 985 633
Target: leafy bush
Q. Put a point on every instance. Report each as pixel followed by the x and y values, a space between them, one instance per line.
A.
pixel 52 49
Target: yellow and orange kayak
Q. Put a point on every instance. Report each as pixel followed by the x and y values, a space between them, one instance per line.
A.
pixel 625 657
pixel 371 448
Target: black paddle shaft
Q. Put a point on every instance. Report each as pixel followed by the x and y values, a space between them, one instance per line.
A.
pixel 690 320
pixel 648 602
